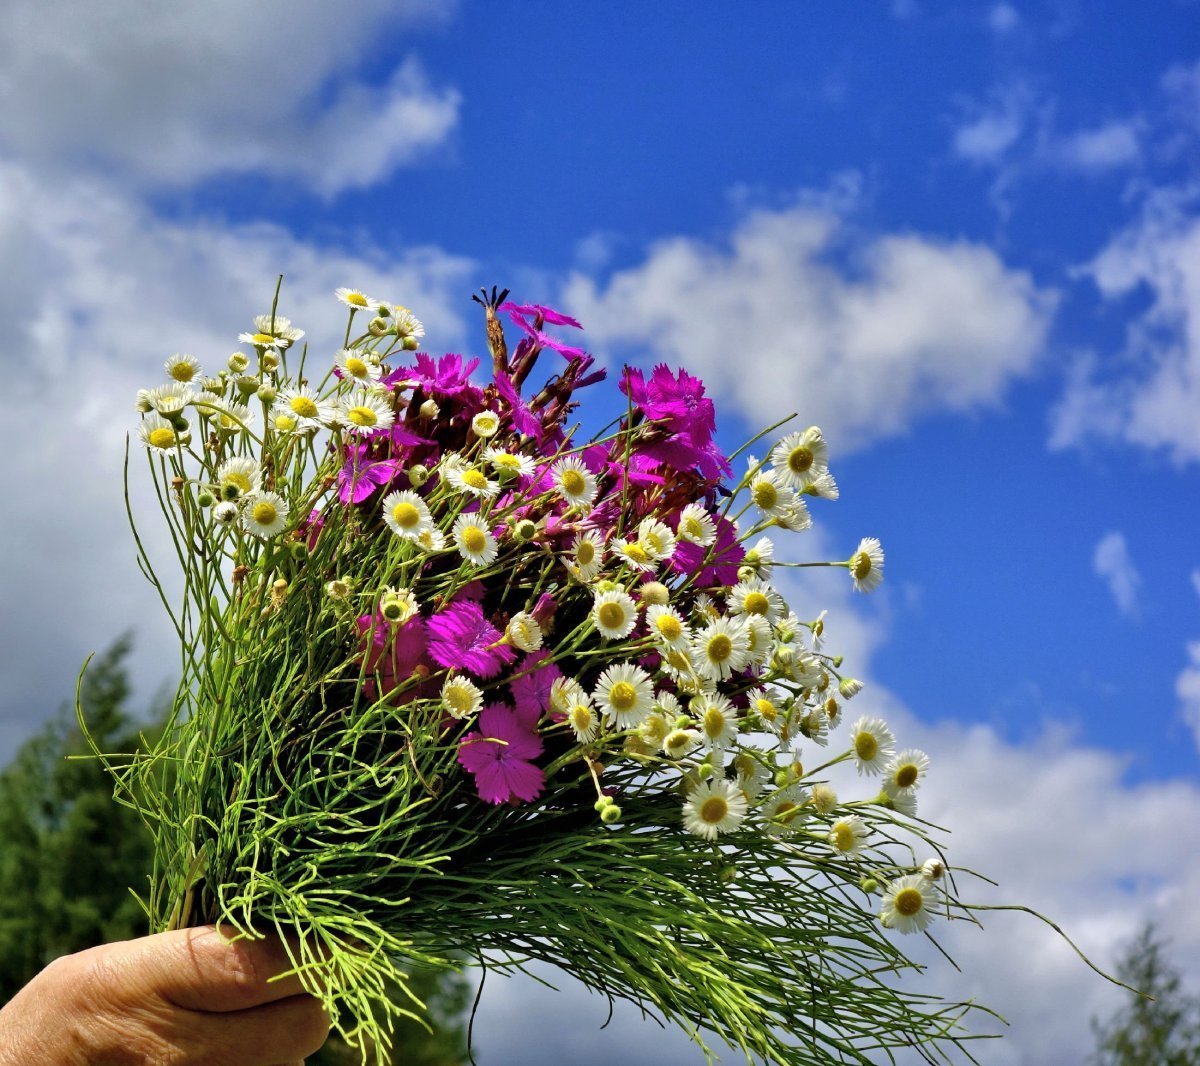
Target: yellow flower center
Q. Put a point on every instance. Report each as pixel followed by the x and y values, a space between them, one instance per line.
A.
pixel 756 603
pixel 908 902
pixel 473 479
pixel 406 515
pixel 766 710
pixel 654 728
pixel 585 553
pixel 264 512
pixel 800 459
pixel 183 372
pixel 622 696
pixel 765 495
pixel 505 461
pixel 860 565
pixel 677 741
pixel 264 339
pixel 669 626
pixel 786 812
pixel 693 527
pixel 304 407
pixel 573 482
pixel 236 477
pixel 656 542
pixel 679 661
pixel 866 747
pixel 474 539
pixel 611 615
pixel 285 423
pixel 459 699
pixel 362 416
pixel 357 367
pixel 486 423
pixel 356 299
pixel 713 810
pixel 906 775
pixel 581 717
pixel 714 722
pixel 637 553
pixel 843 837
pixel 163 437
pixel 720 647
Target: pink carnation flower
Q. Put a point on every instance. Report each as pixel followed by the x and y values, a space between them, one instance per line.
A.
pixel 499 755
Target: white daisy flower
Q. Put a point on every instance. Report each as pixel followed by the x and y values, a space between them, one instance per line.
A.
pixel 264 514
pixel 157 434
pixel 405 324
pixel 656 539
pixel 655 727
pixel 679 743
pixel 873 745
pixel 933 869
pixel 824 799
pixel 846 835
pixel 485 424
pixel 582 718
pixel 614 614
pixel 714 807
pixel 795 517
pixel 704 607
pixel 849 687
pixel 356 366
pixel 759 643
pixel 398 605
pixel 904 802
pixel 509 463
pixel 473 481
pixel 866 565
pixel 832 711
pixel 574 482
pixel 563 692
pixel 225 513
pixel 755 597
pixel 769 707
pixel 784 811
pixel 474 540
pixel 677 665
pixel 800 457
pixel 356 299
pixel 431 539
pixel 238 477
pixel 718 720
pixel 523 632
pixel 752 775
pixel 182 368
pixel 720 649
pixel 667 627
pixel 824 486
pixel 461 696
pixel 169 399
pixel 696 526
pixel 908 904
pixel 365 412
pixel 667 704
pixel 406 514
pixel 768 492
pixel 814 724
pixel 818 631
pixel 302 404
pixel 760 557
pixel 625 694
pixel 905 772
pixel 632 553
pixel 587 555
pixel 280 328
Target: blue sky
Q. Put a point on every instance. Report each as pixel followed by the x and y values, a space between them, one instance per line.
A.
pixel 964 238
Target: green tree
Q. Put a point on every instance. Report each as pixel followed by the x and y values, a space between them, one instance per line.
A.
pixel 70 853
pixel 1163 1030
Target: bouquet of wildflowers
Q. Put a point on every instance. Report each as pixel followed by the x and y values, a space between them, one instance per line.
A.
pixel 458 678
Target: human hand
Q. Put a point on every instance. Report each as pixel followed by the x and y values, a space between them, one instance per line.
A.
pixel 185 997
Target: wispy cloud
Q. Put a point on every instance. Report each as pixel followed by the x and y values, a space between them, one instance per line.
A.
pixel 1187 689
pixel 1112 563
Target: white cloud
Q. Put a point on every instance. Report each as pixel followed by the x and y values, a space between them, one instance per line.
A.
pixel 1115 144
pixel 178 93
pixel 1187 684
pixel 1151 394
pixel 1112 563
pixel 772 321
pixel 1003 18
pixel 989 135
pixel 99 293
pixel 1196 581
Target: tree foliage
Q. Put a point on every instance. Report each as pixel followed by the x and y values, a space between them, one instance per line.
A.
pixel 1159 1028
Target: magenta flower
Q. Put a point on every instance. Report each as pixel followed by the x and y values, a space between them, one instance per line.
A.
pixel 461 637
pixel 718 563
pixel 499 755
pixel 447 376
pixel 361 475
pixel 536 311
pixel 531 691
pixel 395 653
pixel 685 417
pixel 521 313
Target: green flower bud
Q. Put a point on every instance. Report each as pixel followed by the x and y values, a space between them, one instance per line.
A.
pixel 525 529
pixel 869 885
pixel 610 814
pixel 267 392
pixel 411 344
pixel 378 326
pixel 418 475
pixel 728 874
pixel 229 491
pixel 178 422
pixel 238 362
pixel 205 498
pixel 268 362
pixel 601 803
pixel 655 592
pixel 429 409
pixel 298 550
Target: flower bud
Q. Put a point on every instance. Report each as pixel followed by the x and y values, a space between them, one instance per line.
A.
pixel 247 384
pixel 610 814
pixel 143 401
pixel 178 422
pixel 205 499
pixel 225 513
pixel 268 362
pixel 418 475
pixel 185 438
pixel 655 592
pixel 229 491
pixel 728 874
pixel 378 326
pixel 429 409
pixel 525 530
pixel 238 362
pixel 337 589
pixel 869 885
pixel 267 392
pixel 850 687
pixel 601 803
pixel 298 550
pixel 411 344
